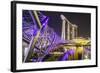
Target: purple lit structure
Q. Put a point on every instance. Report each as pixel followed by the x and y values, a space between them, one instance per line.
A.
pixel 47 41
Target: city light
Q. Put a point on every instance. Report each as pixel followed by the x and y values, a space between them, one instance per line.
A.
pixel 42 43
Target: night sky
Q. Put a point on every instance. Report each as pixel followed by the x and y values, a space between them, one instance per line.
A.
pixel 82 20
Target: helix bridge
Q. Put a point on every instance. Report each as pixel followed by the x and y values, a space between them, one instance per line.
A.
pixel 42 40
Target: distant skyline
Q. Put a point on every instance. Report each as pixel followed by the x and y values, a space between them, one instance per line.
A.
pixel 82 20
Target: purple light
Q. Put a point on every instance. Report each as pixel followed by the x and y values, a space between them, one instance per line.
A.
pixel 46 22
pixel 65 57
pixel 53 40
pixel 71 51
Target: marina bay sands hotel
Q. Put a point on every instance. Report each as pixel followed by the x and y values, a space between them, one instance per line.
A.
pixel 69 30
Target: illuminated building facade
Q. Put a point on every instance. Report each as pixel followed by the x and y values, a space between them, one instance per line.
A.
pixel 69 30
